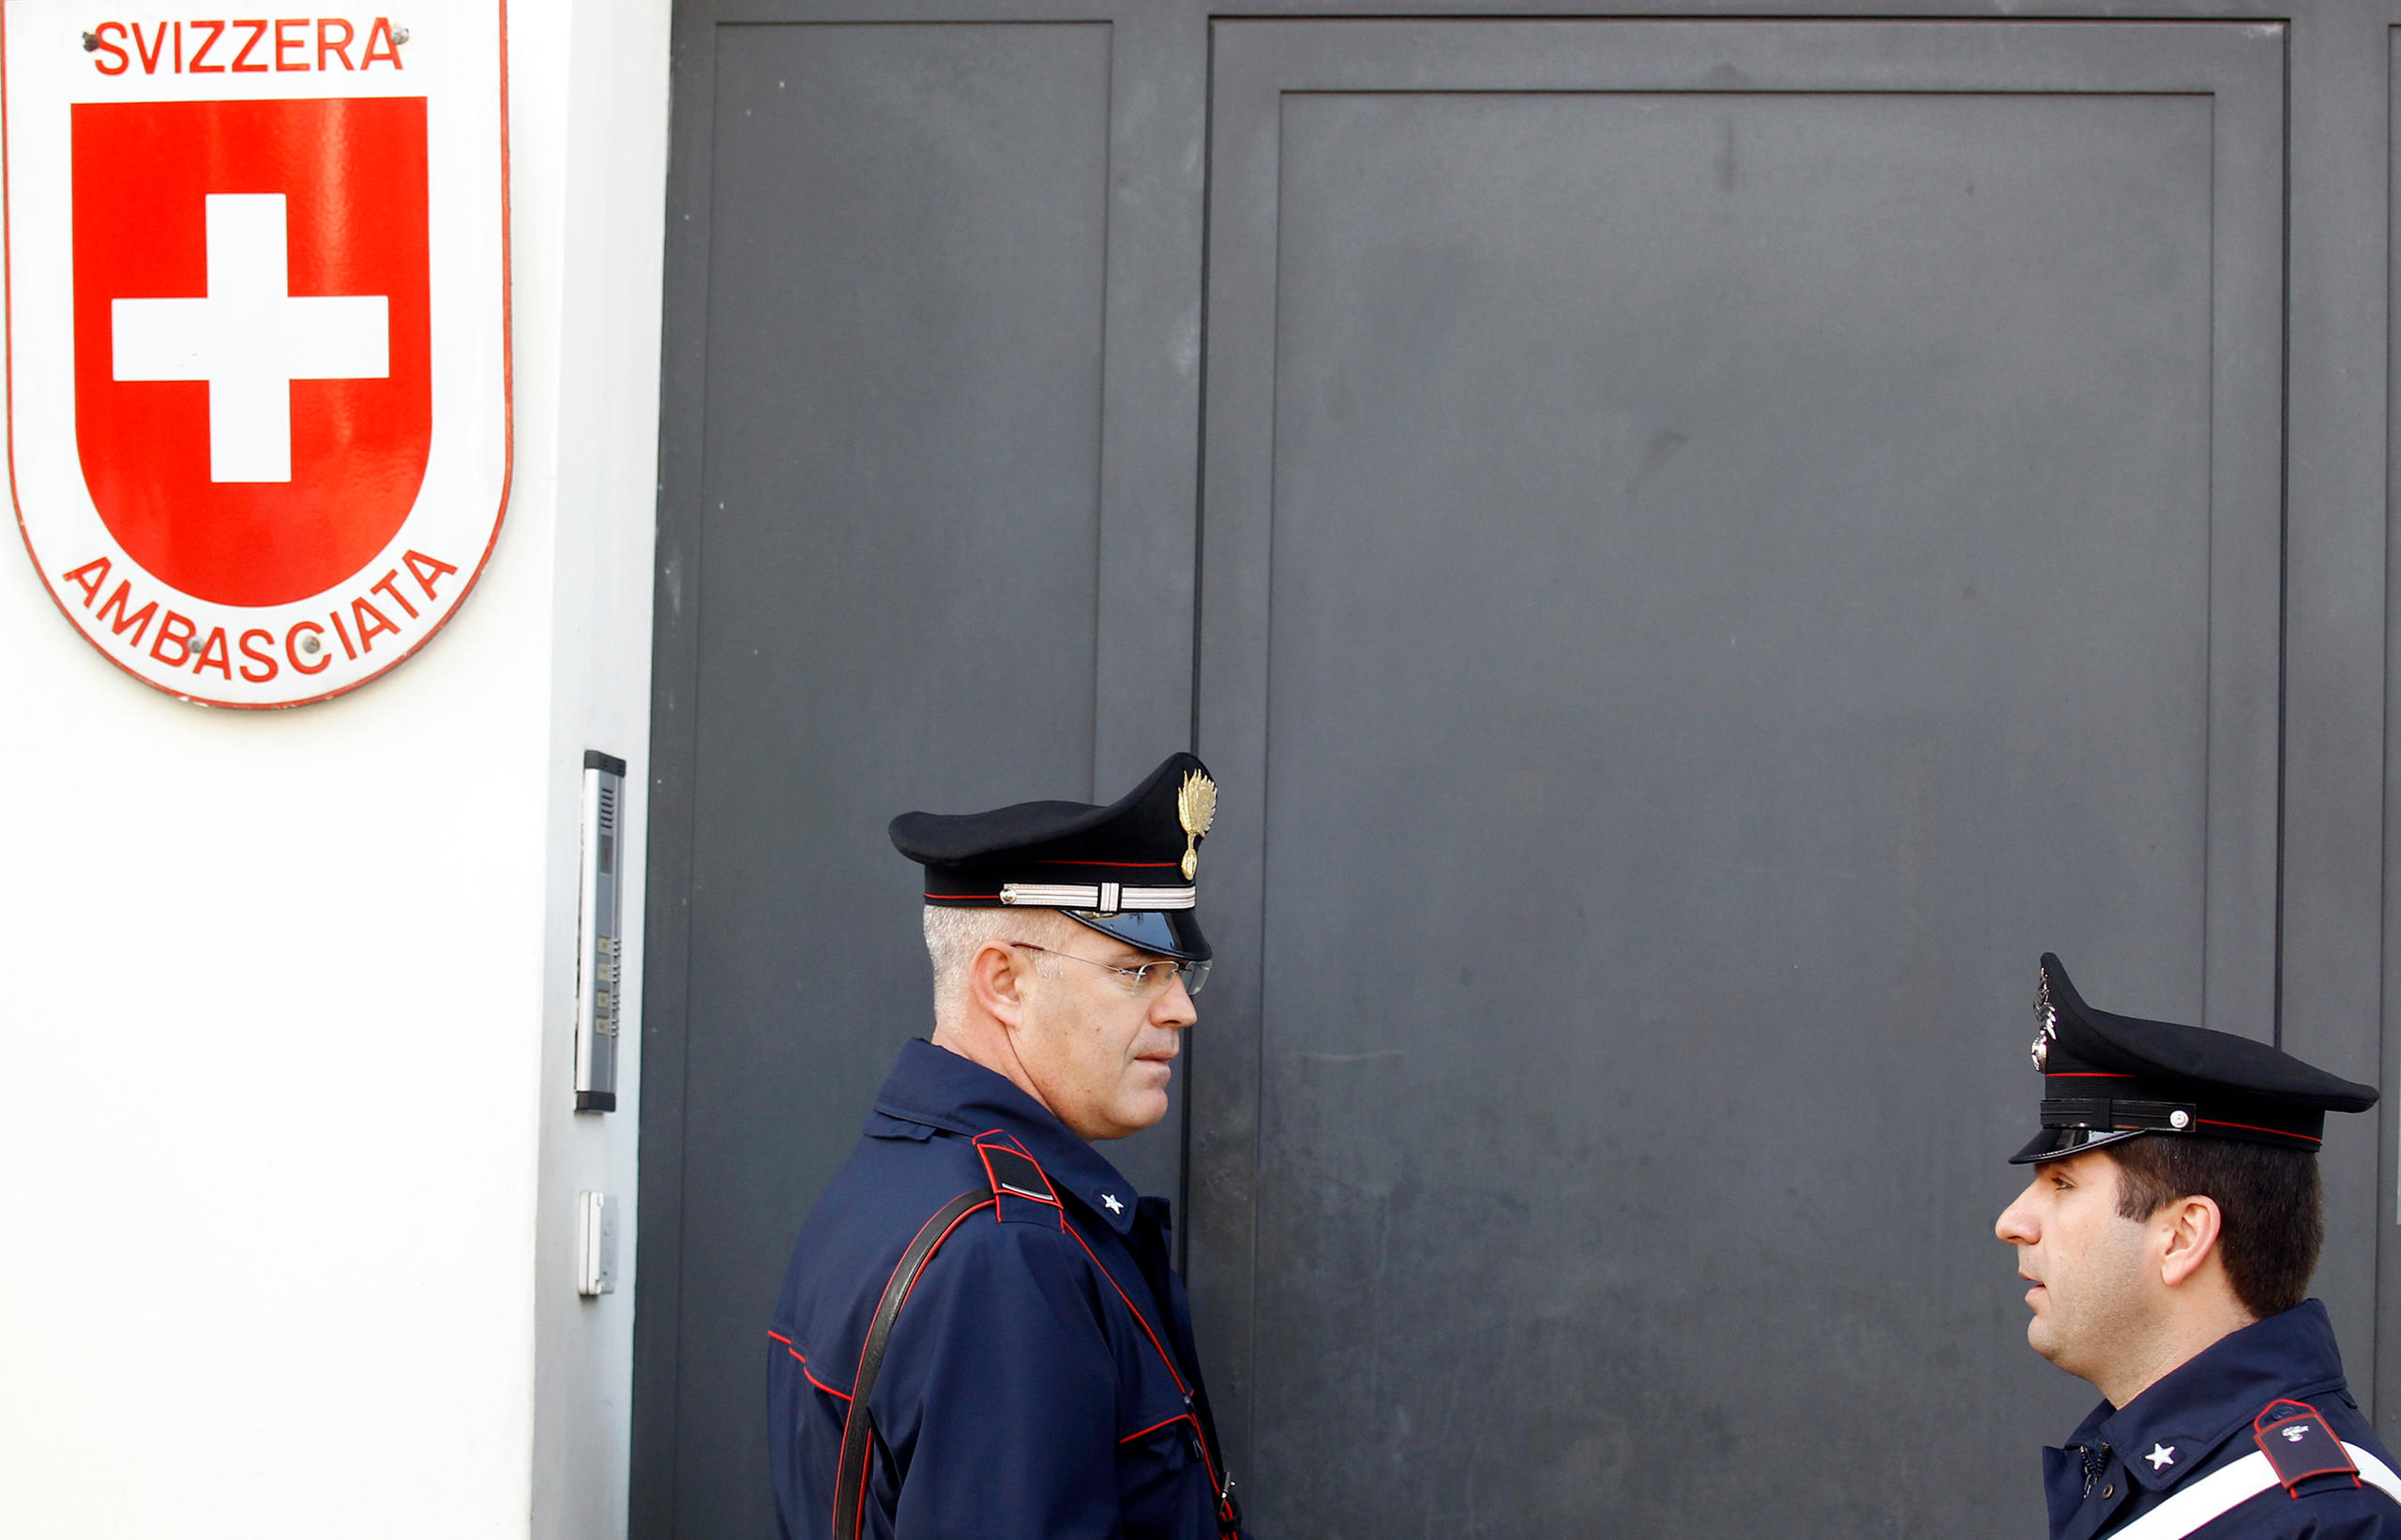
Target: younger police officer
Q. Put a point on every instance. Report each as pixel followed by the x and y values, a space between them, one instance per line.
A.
pixel 980 1335
pixel 2169 1234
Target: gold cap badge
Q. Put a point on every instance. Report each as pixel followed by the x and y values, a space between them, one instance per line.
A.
pixel 1196 807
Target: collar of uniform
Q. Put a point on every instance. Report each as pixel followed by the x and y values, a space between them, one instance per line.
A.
pixel 2202 1402
pixel 940 1088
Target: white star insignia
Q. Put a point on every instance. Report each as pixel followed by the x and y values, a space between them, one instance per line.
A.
pixel 1115 1207
pixel 2161 1454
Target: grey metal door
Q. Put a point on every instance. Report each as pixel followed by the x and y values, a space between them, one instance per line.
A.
pixel 1725 540
pixel 1696 550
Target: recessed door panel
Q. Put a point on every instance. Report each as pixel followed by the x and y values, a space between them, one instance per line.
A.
pixel 1723 542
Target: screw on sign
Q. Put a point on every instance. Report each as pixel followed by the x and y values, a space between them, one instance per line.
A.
pixel 258 340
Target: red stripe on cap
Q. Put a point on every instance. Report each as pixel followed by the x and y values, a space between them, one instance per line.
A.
pixel 2253 1127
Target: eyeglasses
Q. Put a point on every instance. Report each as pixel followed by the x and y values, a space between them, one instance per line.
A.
pixel 1150 980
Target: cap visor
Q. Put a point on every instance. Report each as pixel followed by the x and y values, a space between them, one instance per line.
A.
pixel 1170 932
pixel 2059 1143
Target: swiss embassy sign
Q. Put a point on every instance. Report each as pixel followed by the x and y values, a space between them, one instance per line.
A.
pixel 258 333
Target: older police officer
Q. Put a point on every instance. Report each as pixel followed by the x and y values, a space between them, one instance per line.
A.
pixel 979 1334
pixel 2169 1233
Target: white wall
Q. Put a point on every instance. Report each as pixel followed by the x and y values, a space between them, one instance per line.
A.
pixel 608 132
pixel 287 1164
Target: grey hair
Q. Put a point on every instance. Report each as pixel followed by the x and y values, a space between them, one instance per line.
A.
pixel 954 936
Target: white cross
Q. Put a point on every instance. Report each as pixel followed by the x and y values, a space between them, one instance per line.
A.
pixel 252 338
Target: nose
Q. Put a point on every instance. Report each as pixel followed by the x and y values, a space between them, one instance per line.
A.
pixel 1174 1009
pixel 2017 1224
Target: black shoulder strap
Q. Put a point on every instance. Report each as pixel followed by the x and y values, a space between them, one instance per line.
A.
pixel 858 1426
pixel 858 1433
pixel 1011 1171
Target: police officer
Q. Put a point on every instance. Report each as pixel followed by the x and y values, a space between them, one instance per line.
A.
pixel 2169 1234
pixel 979 1334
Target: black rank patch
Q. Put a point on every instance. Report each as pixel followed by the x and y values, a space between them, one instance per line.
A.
pixel 1014 1175
pixel 2300 1444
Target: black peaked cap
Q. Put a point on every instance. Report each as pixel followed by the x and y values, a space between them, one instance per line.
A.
pixel 2107 1078
pixel 1128 870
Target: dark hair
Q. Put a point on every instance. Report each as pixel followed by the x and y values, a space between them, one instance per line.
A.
pixel 2268 1198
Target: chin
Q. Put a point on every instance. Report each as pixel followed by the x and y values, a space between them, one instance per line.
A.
pixel 1137 1113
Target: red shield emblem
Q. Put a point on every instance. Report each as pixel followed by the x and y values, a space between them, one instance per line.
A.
pixel 258 369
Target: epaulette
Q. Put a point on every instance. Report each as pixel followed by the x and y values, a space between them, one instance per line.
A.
pixel 1017 1175
pixel 2301 1445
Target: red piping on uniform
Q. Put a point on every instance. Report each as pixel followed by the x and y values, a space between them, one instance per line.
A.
pixel 1181 1387
pixel 1013 1144
pixel 1216 1483
pixel 1179 1417
pixel 1131 1308
pixel 804 1365
pixel 994 896
pixel 2253 1127
pixel 813 1378
pixel 1129 865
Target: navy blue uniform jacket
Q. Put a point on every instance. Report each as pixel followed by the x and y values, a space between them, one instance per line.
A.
pixel 2199 1419
pixel 1041 1381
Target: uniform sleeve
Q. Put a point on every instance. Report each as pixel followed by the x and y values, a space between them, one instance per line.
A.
pixel 1002 1394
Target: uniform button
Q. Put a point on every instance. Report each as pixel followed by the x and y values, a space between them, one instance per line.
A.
pixel 2109 1491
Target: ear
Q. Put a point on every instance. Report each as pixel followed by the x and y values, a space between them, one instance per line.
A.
pixel 2194 1225
pixel 996 978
